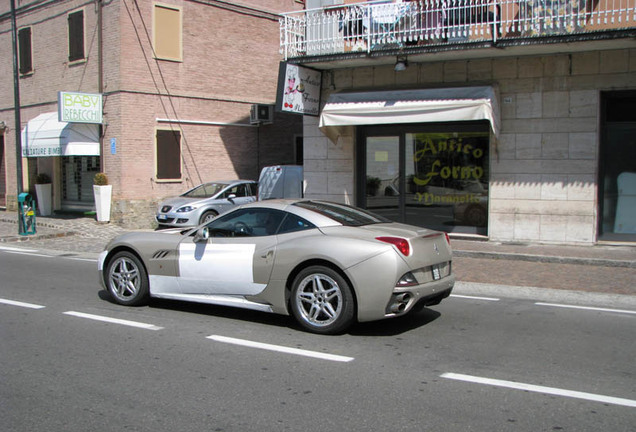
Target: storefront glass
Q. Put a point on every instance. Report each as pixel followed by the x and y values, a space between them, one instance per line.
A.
pixel 77 182
pixel 617 183
pixel 434 177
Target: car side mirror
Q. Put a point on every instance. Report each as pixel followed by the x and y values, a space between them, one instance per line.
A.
pixel 202 235
pixel 231 197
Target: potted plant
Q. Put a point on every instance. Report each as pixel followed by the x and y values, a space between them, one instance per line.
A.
pixel 103 192
pixel 373 184
pixel 43 193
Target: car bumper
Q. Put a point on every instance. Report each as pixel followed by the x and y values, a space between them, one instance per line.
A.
pixel 175 220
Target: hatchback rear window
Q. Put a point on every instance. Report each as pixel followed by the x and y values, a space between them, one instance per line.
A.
pixel 344 214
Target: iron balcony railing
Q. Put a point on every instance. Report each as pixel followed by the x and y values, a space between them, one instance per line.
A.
pixel 383 25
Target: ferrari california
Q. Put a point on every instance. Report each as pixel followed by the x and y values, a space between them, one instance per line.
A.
pixel 326 264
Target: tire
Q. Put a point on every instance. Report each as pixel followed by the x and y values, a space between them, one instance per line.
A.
pixel 322 301
pixel 127 279
pixel 207 216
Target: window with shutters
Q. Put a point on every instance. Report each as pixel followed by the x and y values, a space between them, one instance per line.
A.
pixel 24 51
pixel 76 36
pixel 168 155
pixel 166 30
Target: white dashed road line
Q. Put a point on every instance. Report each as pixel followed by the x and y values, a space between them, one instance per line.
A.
pixel 21 304
pixel 586 308
pixel 541 389
pixel 282 349
pixel 113 320
pixel 474 297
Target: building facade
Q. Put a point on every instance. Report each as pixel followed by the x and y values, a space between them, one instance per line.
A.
pixel 178 80
pixel 504 120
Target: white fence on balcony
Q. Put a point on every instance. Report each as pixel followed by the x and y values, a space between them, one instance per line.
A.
pixel 382 25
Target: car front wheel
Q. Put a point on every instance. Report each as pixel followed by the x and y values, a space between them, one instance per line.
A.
pixel 322 301
pixel 127 280
pixel 207 216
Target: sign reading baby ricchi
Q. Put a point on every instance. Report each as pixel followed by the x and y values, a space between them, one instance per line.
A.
pixel 79 107
pixel 298 90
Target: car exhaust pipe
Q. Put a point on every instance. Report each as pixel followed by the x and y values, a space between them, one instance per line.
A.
pixel 399 303
pixel 397 308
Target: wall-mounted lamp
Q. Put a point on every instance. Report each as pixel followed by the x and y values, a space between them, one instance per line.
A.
pixel 401 64
pixel 3 126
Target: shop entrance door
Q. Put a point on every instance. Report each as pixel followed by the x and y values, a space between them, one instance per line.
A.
pixel 433 175
pixel 77 182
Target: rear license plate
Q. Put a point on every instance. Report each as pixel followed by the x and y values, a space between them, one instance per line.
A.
pixel 437 274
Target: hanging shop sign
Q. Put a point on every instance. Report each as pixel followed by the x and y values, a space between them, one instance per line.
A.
pixel 298 90
pixel 75 107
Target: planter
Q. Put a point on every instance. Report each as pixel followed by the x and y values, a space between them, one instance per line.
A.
pixel 102 202
pixel 44 198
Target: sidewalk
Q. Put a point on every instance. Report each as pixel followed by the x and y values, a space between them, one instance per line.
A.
pixel 598 268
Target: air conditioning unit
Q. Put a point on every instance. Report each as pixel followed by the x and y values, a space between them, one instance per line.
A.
pixel 262 114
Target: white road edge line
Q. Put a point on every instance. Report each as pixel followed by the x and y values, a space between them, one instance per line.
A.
pixel 541 389
pixel 474 297
pixel 29 253
pixel 21 304
pixel 282 349
pixel 586 308
pixel 113 320
pixel 11 249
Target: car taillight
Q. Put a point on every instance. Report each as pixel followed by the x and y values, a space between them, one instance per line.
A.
pixel 402 244
pixel 447 238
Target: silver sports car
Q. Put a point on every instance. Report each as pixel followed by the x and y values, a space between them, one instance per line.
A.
pixel 326 264
pixel 204 202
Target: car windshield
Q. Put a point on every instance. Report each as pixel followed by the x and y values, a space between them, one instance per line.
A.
pixel 205 190
pixel 346 215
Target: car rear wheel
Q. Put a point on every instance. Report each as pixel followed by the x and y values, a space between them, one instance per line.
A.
pixel 207 216
pixel 322 301
pixel 127 280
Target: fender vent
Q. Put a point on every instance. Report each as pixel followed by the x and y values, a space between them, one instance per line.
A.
pixel 161 254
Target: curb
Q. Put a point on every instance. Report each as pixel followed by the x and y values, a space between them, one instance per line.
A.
pixel 545 258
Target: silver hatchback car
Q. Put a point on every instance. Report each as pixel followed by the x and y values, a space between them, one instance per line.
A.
pixel 204 202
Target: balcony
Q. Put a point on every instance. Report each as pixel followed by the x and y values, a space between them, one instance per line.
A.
pixel 381 28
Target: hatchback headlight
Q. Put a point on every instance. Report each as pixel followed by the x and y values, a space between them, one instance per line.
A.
pixel 186 209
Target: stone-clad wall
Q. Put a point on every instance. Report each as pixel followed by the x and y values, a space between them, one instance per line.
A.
pixel 544 165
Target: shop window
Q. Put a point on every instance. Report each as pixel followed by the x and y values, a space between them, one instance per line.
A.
pixel 617 181
pixel 167 23
pixel 433 176
pixel 76 36
pixel 168 155
pixel 24 51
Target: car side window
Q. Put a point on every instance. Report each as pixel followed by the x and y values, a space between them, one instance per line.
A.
pixel 293 223
pixel 241 192
pixel 246 223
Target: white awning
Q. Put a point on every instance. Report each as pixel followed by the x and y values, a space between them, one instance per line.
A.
pixel 409 106
pixel 45 136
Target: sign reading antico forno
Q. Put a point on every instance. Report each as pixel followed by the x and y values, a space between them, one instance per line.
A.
pixel 79 107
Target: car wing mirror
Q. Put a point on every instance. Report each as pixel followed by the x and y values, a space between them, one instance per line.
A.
pixel 202 235
pixel 231 197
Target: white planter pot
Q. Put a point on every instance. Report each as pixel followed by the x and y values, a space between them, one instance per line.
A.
pixel 102 202
pixel 44 198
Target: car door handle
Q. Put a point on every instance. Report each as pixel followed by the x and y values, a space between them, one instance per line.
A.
pixel 268 254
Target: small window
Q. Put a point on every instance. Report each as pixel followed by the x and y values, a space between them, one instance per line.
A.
pixel 167 32
pixel 168 155
pixel 76 36
pixel 24 51
pixel 293 223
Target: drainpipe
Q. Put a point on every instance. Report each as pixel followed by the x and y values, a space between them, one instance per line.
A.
pixel 100 79
pixel 18 120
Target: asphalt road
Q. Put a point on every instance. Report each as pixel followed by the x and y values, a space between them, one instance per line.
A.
pixel 473 363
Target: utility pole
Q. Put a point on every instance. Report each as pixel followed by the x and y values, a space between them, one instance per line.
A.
pixel 18 121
